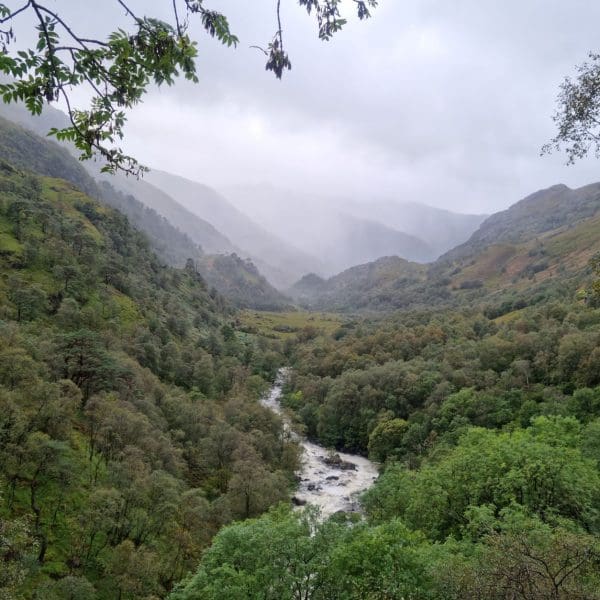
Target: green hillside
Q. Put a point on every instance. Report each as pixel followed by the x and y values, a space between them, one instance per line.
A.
pixel 129 427
pixel 485 419
pixel 530 250
pixel 480 399
pixel 131 437
pixel 538 213
pixel 240 282
pixel 374 285
pixel 24 149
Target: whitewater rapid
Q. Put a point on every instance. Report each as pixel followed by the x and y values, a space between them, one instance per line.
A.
pixel 332 488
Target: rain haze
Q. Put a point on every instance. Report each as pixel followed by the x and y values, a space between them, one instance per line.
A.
pixel 446 104
pixel 442 103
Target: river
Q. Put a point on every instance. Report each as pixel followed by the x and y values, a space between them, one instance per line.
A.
pixel 331 487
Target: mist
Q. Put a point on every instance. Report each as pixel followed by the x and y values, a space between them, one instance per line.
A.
pixel 398 137
pixel 447 106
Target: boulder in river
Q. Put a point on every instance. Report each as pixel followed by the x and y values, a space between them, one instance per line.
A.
pixel 335 460
pixel 298 501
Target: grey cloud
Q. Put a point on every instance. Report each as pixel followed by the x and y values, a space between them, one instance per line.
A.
pixel 447 103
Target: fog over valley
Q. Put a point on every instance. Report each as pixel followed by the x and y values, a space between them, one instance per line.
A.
pixel 327 332
pixel 396 140
pixel 443 105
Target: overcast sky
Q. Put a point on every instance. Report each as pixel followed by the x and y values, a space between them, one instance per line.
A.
pixel 445 103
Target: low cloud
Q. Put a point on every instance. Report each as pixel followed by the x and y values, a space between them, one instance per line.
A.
pixel 442 103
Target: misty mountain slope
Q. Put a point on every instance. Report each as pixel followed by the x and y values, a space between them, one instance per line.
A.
pixel 283 265
pixel 26 150
pixel 373 285
pixel 241 282
pixel 441 229
pixel 200 231
pixel 279 260
pixel 322 227
pixel 314 223
pixel 516 258
pixel 542 211
pixel 354 241
pixel 308 288
pixel 238 280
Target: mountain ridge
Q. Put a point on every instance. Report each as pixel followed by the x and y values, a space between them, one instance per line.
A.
pixel 525 249
pixel 281 261
pixel 25 149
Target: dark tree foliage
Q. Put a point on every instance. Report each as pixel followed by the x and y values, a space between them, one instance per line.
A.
pixel 130 430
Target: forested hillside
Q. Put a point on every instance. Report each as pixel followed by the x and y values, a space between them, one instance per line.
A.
pixel 310 374
pixel 169 238
pixel 373 285
pixel 129 427
pixel 280 261
pixel 486 423
pixel 241 282
pixel 131 435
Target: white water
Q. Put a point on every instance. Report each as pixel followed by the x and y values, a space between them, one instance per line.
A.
pixel 330 488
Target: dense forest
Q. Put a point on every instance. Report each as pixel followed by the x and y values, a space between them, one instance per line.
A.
pixel 129 427
pixel 487 430
pixel 131 436
pixel 483 412
pixel 165 408
pixel 137 462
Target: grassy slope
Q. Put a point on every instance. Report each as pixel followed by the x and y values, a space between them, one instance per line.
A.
pixel 287 325
pixel 175 238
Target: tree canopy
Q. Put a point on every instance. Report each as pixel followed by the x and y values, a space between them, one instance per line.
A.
pixel 578 112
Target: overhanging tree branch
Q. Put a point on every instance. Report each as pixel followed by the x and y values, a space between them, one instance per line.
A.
pixel 119 70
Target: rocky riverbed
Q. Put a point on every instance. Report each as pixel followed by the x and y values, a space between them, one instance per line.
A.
pixel 331 481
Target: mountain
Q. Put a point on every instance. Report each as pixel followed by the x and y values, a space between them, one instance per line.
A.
pixel 315 223
pixel 373 285
pixel 24 149
pixel 441 229
pixel 328 235
pixel 236 279
pixel 540 246
pixel 128 403
pixel 538 213
pixel 241 282
pixel 199 231
pixel 354 241
pixel 278 259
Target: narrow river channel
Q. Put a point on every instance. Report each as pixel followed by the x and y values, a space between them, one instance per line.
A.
pixel 331 485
